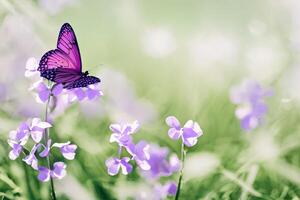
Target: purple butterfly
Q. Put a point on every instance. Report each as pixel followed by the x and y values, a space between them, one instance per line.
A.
pixel 63 65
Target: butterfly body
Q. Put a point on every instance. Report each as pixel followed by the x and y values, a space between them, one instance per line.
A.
pixel 63 65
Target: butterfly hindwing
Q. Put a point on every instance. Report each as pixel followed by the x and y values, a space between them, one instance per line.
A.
pixel 82 82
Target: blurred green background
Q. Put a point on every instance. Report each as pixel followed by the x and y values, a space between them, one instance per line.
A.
pixel 155 59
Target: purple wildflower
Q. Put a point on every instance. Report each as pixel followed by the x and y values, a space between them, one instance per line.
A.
pixel 30 159
pixel 16 150
pixel 35 129
pixel 168 189
pixel 189 133
pixel 249 96
pixel 58 172
pixel 140 153
pixel 43 91
pixel 67 149
pixel 114 164
pixel 159 163
pixel 90 92
pixel 122 133
pixel 17 139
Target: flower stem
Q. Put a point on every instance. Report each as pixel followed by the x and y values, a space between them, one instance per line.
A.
pixel 120 152
pixel 46 138
pixel 182 158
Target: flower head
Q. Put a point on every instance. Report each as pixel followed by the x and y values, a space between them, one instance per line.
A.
pixel 168 189
pixel 114 164
pixel 249 96
pixel 58 172
pixel 189 133
pixel 44 92
pixel 31 159
pixel 159 163
pixel 122 133
pixel 67 149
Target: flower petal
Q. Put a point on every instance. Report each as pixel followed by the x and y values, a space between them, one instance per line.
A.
pixel 59 170
pixel 173 122
pixel 174 133
pixel 125 166
pixel 113 166
pixel 44 174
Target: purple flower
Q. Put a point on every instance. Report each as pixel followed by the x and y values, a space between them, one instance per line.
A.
pixel 58 172
pixel 31 159
pixel 17 139
pixel 43 91
pixel 46 150
pixel 168 189
pixel 189 133
pixel 114 164
pixel 15 152
pixel 122 133
pixel 159 163
pixel 91 92
pixel 67 149
pixel 37 128
pixel 140 153
pixel 249 96
pixel 44 174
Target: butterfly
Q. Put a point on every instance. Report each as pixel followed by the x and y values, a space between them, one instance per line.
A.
pixel 63 65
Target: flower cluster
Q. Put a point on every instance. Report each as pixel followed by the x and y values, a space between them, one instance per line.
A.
pixel 122 135
pixel 251 107
pixel 35 130
pixel 189 133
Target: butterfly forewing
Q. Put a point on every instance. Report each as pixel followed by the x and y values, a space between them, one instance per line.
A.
pixel 67 42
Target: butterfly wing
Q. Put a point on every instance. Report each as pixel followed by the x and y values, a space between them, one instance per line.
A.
pixel 67 43
pixel 82 82
pixel 67 54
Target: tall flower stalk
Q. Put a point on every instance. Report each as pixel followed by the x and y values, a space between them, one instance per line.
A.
pixel 46 138
pixel 188 134
pixel 182 158
pixel 39 149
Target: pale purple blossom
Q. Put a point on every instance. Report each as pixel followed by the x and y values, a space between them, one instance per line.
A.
pixel 114 164
pixel 36 129
pixel 16 150
pixel 162 191
pixel 189 133
pixel 249 97
pixel 140 153
pixel 160 165
pixel 44 91
pixel 122 133
pixel 90 92
pixel 17 139
pixel 31 159
pixel 67 149
pixel 58 172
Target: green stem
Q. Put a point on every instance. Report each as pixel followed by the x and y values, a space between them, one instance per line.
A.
pixel 183 153
pixel 46 138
